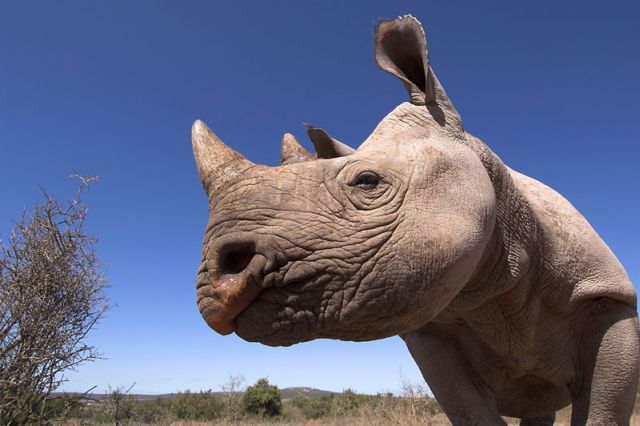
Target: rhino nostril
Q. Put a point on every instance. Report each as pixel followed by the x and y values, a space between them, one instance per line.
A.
pixel 236 258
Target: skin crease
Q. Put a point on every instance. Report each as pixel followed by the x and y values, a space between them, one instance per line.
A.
pixel 505 296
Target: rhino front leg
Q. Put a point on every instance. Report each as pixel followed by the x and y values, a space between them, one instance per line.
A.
pixel 606 390
pixel 460 393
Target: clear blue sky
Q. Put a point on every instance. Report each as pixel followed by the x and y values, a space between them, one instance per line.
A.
pixel 111 89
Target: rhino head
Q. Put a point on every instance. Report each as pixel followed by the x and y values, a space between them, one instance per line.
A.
pixel 354 245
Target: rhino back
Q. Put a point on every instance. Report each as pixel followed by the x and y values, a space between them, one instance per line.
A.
pixel 577 264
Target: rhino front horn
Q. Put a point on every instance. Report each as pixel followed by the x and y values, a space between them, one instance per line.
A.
pixel 217 163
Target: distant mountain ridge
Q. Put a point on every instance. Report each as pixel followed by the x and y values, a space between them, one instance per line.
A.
pixel 307 392
pixel 285 393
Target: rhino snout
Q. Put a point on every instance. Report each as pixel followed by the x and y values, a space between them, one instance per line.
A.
pixel 231 278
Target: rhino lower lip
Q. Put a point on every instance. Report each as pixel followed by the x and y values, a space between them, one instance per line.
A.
pixel 224 298
pixel 269 295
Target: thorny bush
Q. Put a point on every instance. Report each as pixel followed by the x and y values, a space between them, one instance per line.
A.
pixel 51 296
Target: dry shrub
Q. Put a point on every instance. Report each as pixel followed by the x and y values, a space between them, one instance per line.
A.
pixel 51 296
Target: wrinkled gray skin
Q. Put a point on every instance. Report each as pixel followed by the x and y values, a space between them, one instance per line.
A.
pixel 507 299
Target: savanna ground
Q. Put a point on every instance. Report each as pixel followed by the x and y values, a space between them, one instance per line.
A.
pixel 398 418
pixel 265 407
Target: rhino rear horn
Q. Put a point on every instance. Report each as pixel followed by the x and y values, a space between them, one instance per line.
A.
pixel 325 145
pixel 401 50
pixel 217 163
pixel 292 152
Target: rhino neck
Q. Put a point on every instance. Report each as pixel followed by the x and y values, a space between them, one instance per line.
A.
pixel 508 262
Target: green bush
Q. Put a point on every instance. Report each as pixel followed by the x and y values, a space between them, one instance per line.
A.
pixel 348 402
pixel 196 406
pixel 314 408
pixel 61 407
pixel 154 411
pixel 262 399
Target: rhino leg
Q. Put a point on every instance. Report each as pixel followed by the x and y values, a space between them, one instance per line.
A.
pixel 460 393
pixel 539 421
pixel 606 392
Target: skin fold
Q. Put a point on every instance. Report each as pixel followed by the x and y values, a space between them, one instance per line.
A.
pixel 507 299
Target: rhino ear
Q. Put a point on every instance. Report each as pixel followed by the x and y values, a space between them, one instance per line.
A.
pixel 325 145
pixel 401 50
pixel 292 152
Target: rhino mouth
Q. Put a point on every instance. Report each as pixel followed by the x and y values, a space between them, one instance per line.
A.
pixel 223 293
pixel 240 275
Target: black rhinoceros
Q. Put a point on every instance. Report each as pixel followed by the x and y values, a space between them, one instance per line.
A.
pixel 506 297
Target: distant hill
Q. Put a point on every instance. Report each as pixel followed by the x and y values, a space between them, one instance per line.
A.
pixel 285 393
pixel 100 396
pixel 290 393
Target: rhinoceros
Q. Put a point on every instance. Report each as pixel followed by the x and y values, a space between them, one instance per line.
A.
pixel 507 299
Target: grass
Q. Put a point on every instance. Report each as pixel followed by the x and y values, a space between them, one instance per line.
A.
pixel 304 407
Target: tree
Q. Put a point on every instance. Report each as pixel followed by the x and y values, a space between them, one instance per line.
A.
pixel 232 397
pixel 119 404
pixel 51 296
pixel 262 399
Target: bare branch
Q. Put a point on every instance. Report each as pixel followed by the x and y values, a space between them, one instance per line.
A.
pixel 51 296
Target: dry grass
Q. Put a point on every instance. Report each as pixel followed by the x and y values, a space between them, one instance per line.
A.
pixel 562 419
pixel 385 413
pixel 437 420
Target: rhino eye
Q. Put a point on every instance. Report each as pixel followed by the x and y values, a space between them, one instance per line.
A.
pixel 366 181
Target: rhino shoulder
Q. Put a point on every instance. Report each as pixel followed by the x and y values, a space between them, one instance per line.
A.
pixel 576 262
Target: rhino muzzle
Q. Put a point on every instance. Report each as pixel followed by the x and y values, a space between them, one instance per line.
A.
pixel 237 269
